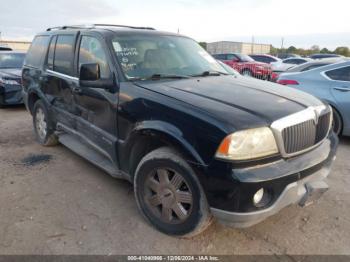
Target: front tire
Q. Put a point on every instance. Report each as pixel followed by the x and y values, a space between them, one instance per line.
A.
pixel 169 194
pixel 43 127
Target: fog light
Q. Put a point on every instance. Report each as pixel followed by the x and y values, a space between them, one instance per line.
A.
pixel 258 196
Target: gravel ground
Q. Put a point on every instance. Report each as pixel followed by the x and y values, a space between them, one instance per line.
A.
pixel 54 202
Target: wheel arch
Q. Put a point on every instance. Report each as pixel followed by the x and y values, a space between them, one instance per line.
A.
pixel 33 96
pixel 150 135
pixel 335 107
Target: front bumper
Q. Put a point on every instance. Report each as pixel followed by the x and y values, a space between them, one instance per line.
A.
pixel 302 192
pixel 11 95
pixel 301 180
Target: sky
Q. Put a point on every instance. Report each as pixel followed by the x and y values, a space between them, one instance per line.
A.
pixel 301 23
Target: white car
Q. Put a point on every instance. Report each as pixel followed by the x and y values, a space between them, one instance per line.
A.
pixel 284 65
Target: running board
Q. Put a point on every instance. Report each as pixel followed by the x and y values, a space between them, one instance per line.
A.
pixel 89 154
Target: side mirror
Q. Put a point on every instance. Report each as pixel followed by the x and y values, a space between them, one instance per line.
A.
pixel 90 76
pixel 89 72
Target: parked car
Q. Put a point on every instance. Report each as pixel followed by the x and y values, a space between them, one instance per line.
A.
pixel 245 65
pixel 156 109
pixel 229 70
pixel 323 56
pixel 288 63
pixel 287 55
pixel 5 48
pixel 314 64
pixel 263 58
pixel 11 63
pixel 329 83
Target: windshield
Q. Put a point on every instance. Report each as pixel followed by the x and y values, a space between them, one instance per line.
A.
pixel 11 60
pixel 245 58
pixel 228 69
pixel 142 56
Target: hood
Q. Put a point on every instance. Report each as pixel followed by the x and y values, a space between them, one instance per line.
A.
pixel 240 101
pixel 11 73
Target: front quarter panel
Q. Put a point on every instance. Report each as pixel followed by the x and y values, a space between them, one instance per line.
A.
pixel 141 110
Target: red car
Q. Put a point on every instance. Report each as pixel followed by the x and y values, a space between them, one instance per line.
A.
pixel 246 65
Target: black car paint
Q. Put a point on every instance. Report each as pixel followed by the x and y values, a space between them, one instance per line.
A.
pixel 191 115
pixel 11 94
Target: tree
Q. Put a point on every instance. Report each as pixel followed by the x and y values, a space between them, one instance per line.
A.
pixel 325 51
pixel 292 49
pixel 342 50
pixel 203 44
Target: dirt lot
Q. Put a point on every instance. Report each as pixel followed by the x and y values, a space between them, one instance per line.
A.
pixel 61 204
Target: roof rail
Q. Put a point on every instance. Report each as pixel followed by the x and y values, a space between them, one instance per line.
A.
pixel 96 25
pixel 126 26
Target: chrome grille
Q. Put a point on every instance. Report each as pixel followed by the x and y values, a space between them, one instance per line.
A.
pixel 303 130
pixel 306 134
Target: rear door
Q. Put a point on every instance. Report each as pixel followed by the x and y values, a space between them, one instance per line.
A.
pixel 60 79
pixel 97 107
pixel 340 88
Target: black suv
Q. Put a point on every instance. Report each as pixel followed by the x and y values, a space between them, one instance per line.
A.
pixel 156 109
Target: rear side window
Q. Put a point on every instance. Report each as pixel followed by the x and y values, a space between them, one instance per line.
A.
pixel 37 51
pixel 340 74
pixel 63 61
pixel 91 51
pixel 51 53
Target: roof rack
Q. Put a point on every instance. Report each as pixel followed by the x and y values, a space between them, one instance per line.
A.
pixel 96 25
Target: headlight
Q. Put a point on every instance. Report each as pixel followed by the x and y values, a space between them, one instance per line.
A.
pixel 248 144
pixel 8 81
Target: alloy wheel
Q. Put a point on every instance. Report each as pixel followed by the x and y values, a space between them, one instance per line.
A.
pixel 40 123
pixel 168 196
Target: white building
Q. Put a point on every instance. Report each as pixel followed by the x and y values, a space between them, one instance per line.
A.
pixel 222 47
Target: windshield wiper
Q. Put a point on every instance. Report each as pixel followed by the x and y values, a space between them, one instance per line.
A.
pixel 165 76
pixel 211 73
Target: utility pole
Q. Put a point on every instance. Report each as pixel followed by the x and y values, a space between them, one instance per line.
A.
pixel 282 43
pixel 252 49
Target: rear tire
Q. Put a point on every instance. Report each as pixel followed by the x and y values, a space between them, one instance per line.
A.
pixel 43 127
pixel 337 124
pixel 169 194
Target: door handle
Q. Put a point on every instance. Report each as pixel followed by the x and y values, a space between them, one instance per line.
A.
pixel 343 89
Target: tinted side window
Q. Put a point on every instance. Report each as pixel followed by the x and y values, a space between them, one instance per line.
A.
pixel 312 67
pixel 341 74
pixel 91 51
pixel 51 53
pixel 290 61
pixel 299 61
pixel 230 57
pixel 219 56
pixel 37 51
pixel 63 62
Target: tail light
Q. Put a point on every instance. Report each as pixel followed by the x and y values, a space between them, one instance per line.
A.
pixel 287 82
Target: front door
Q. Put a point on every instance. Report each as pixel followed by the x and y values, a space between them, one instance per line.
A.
pixel 97 107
